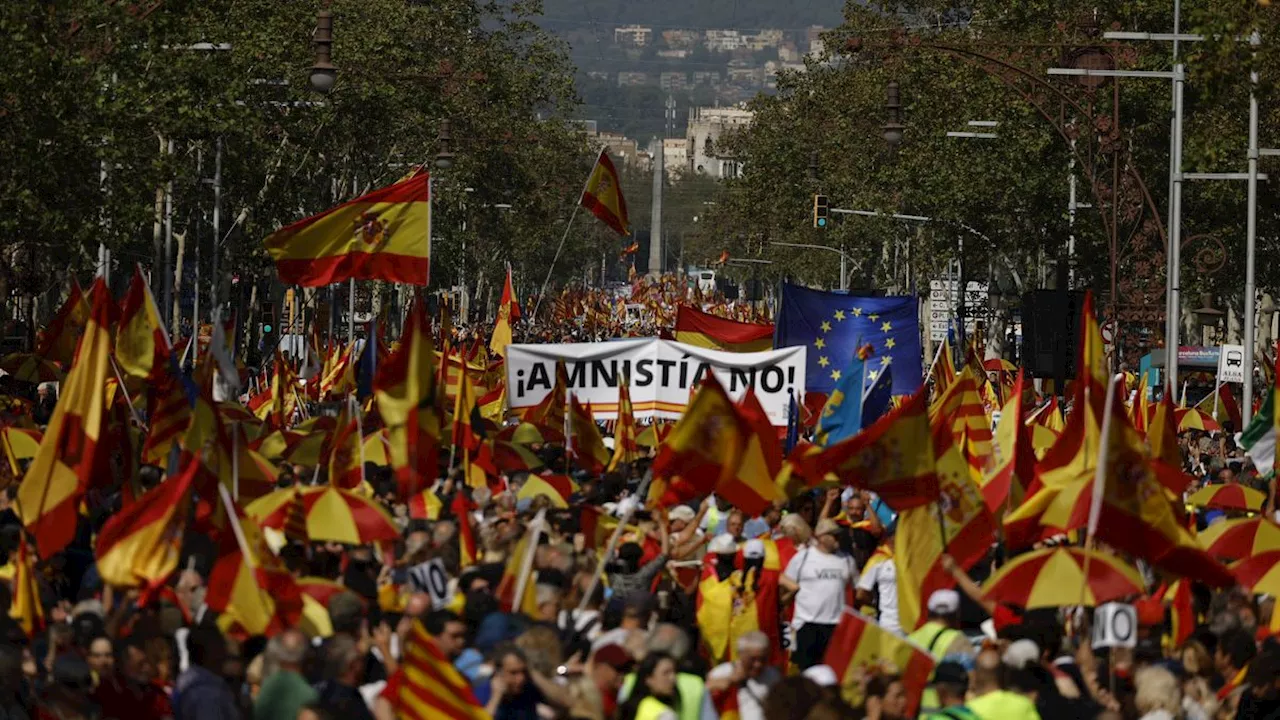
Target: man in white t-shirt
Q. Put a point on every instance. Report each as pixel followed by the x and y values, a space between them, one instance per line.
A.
pixel 882 577
pixel 750 675
pixel 817 576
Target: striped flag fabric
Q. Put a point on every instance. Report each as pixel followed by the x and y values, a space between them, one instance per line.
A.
pixel 170 414
pixel 461 508
pixel 860 645
pixel 625 449
pixel 70 453
pixel 384 235
pixel 141 544
pixel 702 329
pixel 427 686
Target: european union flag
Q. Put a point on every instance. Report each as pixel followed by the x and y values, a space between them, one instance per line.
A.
pixel 834 326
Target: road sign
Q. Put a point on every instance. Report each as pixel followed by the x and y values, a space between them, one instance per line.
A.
pixel 1231 364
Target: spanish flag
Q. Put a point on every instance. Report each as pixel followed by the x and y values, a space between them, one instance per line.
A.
pixel 427 686
pixel 584 439
pixel 1162 431
pixel 700 329
pixel 751 488
pixel 26 607
pixel 141 545
pixel 461 508
pixel 860 646
pixel 603 195
pixel 521 554
pixel 1006 481
pixel 385 235
pixel 508 312
pixel 142 345
pixel 405 391
pixel 58 341
pixel 705 446
pixel 70 455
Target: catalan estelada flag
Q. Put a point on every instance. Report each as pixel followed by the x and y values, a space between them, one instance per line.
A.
pixel 701 329
pixel 427 686
pixel 384 235
pixel 70 454
pixel 859 646
pixel 142 345
pixel 603 195
pixel 141 544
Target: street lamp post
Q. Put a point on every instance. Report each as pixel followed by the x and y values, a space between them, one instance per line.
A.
pixel 893 127
pixel 323 73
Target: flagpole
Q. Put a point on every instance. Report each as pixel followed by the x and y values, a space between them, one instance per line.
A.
pixel 1099 478
pixel 936 356
pixel 354 407
pixel 526 563
pixel 543 290
pixel 614 540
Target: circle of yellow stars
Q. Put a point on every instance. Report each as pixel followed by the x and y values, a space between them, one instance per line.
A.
pixel 820 343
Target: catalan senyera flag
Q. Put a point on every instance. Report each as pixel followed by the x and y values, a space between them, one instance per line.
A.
pixel 508 312
pixel 169 414
pixel 584 439
pixel 384 235
pixel 603 195
pixel 25 606
pixel 142 345
pixel 58 341
pixel 860 645
pixel 625 449
pixel 461 508
pixel 701 329
pixel 892 458
pixel 1013 461
pixel 962 408
pixel 427 686
pixel 405 391
pixel 141 545
pixel 70 452
pixel 944 371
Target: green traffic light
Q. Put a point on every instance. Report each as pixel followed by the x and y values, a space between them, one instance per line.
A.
pixel 822 222
pixel 266 328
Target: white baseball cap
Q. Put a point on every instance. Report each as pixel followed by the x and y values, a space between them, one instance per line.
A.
pixel 944 602
pixel 722 544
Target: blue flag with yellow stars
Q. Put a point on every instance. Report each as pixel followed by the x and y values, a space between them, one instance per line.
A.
pixel 833 326
pixel 842 415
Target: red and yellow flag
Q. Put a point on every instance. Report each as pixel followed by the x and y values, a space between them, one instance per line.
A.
pixel 892 458
pixel 461 508
pixel 405 391
pixel 751 487
pixel 142 345
pixel 25 607
pixel 1162 431
pixel 384 235
pixel 1013 466
pixel 70 453
pixel 59 339
pixel 427 686
pixel 584 439
pixel 141 545
pixel 345 467
pixel 961 407
pixel 625 449
pixel 251 589
pixel 508 312
pixel 705 446
pixel 603 195
pixel 169 414
pixel 861 647
pixel 694 327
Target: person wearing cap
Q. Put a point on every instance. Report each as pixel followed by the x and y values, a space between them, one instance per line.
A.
pixel 817 577
pixel 749 675
pixel 951 686
pixel 609 665
pixel 941 634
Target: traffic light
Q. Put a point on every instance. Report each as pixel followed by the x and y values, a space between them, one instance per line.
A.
pixel 268 311
pixel 821 212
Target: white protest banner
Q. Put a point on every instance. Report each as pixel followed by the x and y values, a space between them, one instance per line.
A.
pixel 430 577
pixel 661 374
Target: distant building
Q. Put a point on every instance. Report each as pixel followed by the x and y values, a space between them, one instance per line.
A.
pixel 762 40
pixel 673 81
pixel 705 128
pixel 684 39
pixel 813 37
pixel 619 146
pixel 788 52
pixel 675 153
pixel 630 79
pixel 633 36
pixel 746 76
pixel 677 54
pixel 710 78
pixel 724 41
